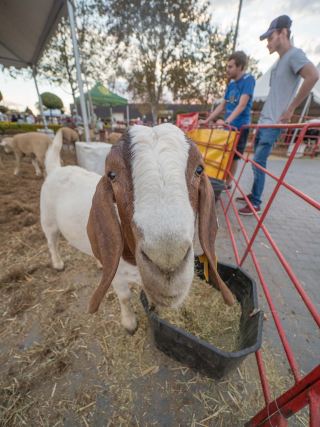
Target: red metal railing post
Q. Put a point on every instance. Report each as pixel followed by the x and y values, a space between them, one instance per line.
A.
pixel 314 413
pixel 306 390
pixel 275 191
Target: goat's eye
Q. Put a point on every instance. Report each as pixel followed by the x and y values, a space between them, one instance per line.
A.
pixel 199 170
pixel 112 175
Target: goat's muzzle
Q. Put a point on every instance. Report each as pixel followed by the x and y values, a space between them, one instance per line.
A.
pixel 167 255
pixel 167 278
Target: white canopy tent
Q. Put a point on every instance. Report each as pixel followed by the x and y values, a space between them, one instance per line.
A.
pixel 25 29
pixel 262 87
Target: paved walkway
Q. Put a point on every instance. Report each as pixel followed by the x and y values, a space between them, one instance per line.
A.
pixel 295 227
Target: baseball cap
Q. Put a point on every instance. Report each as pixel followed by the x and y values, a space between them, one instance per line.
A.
pixel 282 21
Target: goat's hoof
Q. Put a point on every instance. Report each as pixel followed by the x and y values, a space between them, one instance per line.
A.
pixel 59 266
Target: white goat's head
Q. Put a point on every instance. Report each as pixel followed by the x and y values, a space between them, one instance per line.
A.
pixel 6 143
pixel 147 207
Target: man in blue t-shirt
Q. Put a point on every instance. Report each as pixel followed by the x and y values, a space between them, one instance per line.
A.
pixel 237 103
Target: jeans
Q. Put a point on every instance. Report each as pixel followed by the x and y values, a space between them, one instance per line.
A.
pixel 262 148
pixel 241 143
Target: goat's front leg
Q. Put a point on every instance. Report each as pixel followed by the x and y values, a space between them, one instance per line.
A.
pixel 128 317
pixel 52 235
pixel 41 161
pixel 36 167
pixel 18 159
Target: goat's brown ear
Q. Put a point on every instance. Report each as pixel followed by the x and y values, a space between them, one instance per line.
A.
pixel 104 232
pixel 208 227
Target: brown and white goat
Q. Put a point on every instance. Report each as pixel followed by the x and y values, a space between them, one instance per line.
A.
pixel 33 144
pixel 154 208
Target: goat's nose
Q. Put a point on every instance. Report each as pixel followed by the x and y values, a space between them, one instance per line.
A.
pixel 168 253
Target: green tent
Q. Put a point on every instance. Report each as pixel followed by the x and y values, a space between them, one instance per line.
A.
pixel 100 96
pixel 103 97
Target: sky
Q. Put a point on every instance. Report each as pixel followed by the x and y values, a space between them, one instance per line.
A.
pixel 255 18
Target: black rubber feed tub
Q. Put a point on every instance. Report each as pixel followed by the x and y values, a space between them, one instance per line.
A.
pixel 200 355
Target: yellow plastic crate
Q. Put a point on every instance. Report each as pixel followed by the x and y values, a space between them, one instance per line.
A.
pixel 216 147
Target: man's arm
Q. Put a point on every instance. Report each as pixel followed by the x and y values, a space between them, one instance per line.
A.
pixel 215 113
pixel 244 99
pixel 310 75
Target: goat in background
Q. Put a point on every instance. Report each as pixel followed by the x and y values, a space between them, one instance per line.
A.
pixel 33 144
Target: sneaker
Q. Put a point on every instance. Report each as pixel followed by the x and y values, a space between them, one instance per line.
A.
pixel 247 210
pixel 242 199
pixel 227 187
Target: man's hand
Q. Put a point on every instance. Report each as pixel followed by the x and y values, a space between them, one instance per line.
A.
pixel 202 122
pixel 220 122
pixel 286 116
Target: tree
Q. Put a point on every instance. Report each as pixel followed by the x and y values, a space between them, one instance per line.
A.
pixel 58 64
pixel 28 111
pixel 204 79
pixel 51 101
pixel 205 74
pixel 157 33
pixel 253 67
pixel 1 97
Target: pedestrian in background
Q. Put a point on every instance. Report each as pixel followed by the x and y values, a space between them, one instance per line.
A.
pixel 281 101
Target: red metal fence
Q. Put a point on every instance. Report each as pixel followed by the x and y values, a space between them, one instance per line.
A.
pixel 306 388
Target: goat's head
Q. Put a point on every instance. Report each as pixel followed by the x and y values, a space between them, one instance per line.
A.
pixel 150 206
pixel 79 130
pixel 6 143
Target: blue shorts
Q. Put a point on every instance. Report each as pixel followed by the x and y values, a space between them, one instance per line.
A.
pixel 241 143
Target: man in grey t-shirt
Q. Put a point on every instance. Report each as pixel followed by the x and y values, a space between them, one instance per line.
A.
pixel 281 101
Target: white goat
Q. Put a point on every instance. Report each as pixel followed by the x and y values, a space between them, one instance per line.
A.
pixel 34 144
pixel 65 202
pixel 153 207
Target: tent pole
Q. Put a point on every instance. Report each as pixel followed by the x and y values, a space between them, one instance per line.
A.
pixel 34 73
pixel 111 120
pixel 128 116
pixel 303 113
pixel 88 109
pixel 91 112
pixel 77 60
pixel 237 27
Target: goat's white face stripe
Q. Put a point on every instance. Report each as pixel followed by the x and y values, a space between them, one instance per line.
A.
pixel 161 201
